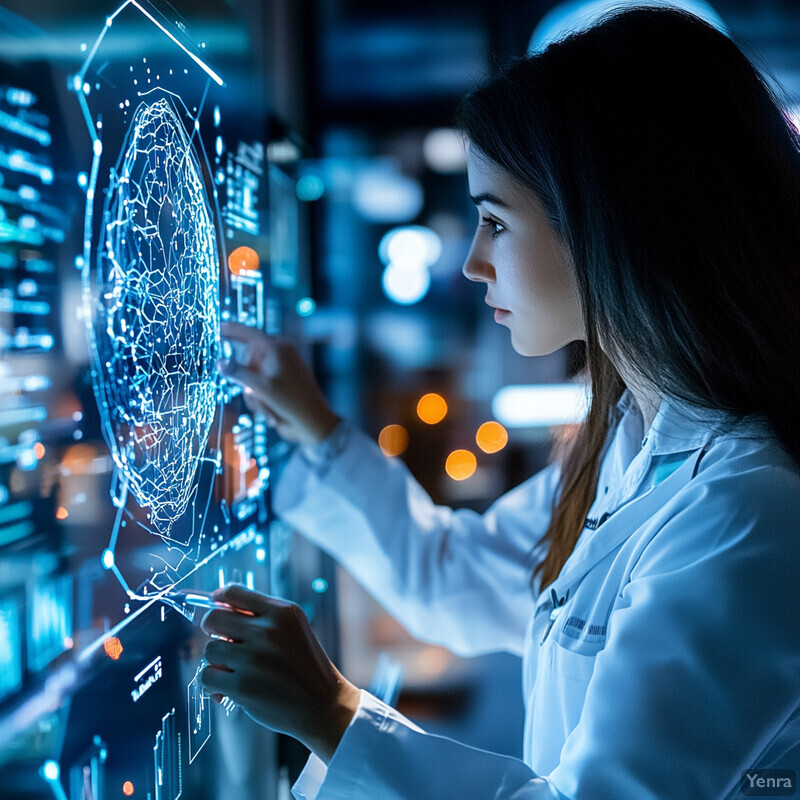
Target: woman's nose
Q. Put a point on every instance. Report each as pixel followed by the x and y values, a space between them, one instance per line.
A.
pixel 477 268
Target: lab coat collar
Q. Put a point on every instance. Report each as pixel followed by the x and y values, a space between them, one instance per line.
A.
pixel 679 427
pixel 620 525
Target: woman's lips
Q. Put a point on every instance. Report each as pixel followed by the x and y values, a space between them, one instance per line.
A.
pixel 499 313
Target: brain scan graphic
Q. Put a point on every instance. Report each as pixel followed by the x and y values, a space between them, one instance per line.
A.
pixel 155 289
pixel 155 319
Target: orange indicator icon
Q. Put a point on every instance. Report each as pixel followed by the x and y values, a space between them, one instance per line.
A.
pixel 243 259
pixel 113 648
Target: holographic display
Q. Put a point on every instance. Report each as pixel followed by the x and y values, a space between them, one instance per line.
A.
pixel 152 280
pixel 167 760
pixel 199 707
pixel 131 473
pixel 155 315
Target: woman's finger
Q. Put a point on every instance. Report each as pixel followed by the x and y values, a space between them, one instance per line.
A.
pixel 254 396
pixel 243 599
pixel 259 344
pixel 217 681
pixel 219 653
pixel 242 333
pixel 228 624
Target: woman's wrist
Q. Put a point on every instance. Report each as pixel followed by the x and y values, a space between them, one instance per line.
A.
pixel 336 720
pixel 322 428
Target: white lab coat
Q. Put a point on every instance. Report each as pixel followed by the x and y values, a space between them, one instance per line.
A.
pixel 670 662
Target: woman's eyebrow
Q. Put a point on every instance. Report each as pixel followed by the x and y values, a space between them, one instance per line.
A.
pixel 487 197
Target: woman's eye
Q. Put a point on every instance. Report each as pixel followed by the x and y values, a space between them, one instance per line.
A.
pixel 495 227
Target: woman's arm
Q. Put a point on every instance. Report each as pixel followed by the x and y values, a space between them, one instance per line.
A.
pixel 453 577
pixel 265 658
pixel 457 578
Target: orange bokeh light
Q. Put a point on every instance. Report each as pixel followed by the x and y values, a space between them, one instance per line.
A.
pixel 491 437
pixel 38 450
pixel 61 513
pixel 243 259
pixel 127 788
pixel 78 459
pixel 431 408
pixel 113 648
pixel 393 440
pixel 461 464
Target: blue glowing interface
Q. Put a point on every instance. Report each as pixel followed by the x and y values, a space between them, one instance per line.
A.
pixel 128 467
pixel 49 623
pixel 10 648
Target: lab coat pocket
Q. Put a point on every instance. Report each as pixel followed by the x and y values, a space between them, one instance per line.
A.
pixel 572 665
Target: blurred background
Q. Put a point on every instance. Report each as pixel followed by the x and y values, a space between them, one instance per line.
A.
pixel 358 97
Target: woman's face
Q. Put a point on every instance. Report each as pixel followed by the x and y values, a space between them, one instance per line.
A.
pixel 519 257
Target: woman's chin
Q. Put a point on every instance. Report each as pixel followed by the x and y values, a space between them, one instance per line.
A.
pixel 538 347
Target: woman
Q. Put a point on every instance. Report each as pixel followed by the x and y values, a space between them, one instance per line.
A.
pixel 638 189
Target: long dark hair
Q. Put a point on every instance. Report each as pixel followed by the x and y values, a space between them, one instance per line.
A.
pixel 669 170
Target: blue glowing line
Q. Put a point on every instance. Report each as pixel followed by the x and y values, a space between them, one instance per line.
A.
pixel 19 416
pixel 18 162
pixel 15 512
pixel 151 664
pixel 235 544
pixel 22 128
pixel 34 307
pixel 109 20
pixel 210 72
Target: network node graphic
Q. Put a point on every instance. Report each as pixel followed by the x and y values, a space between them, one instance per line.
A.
pixel 155 319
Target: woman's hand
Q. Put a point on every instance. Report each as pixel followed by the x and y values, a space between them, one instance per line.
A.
pixel 278 384
pixel 266 658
